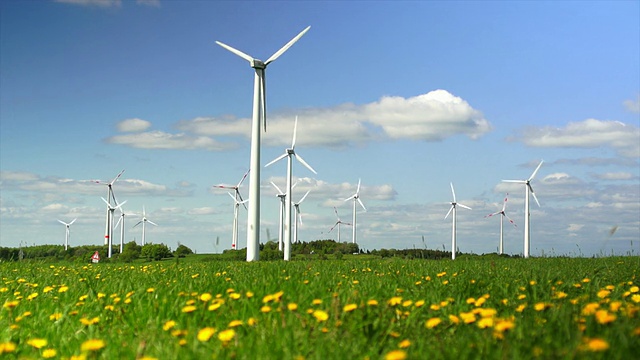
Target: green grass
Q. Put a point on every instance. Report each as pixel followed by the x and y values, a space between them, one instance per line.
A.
pixel 531 308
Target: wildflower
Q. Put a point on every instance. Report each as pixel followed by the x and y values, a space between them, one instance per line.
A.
pixel 205 297
pixel 635 298
pixel 595 344
pixel 480 302
pixel 168 325
pixel 226 335
pixel 7 347
pixel 235 296
pixel 522 296
pixel 454 319
pixel 603 293
pixel 277 296
pixel 394 301
pixel 316 301
pixel 396 355
pixel 404 344
pixel 372 302
pixel 615 305
pixel 407 303
pixel 109 307
pixel 188 309
pixel 235 323
pixel 604 317
pixel 252 322
pixel 38 343
pixel 485 323
pixel 292 306
pixel 320 315
pixel 248 294
pixel 47 289
pixel 634 289
pixel 101 295
pixel 468 317
pixel 560 295
pixel 78 357
pixel 433 322
pixel 49 353
pixel 521 307
pixel 485 313
pixel 504 325
pixel 540 306
pixel 214 306
pixel 590 309
pixel 265 309
pixel 471 300
pixel 419 303
pixel 206 333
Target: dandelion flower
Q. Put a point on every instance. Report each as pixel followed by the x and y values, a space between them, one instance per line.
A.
pixel 454 319
pixel 38 343
pixel 604 317
pixel 372 302
pixel 396 355
pixel 92 345
pixel 235 323
pixel 316 301
pixel 11 304
pixel 433 322
pixel 49 353
pixel 596 344
pixel 265 309
pixel 320 315
pixel 634 289
pixel 394 301
pixel 404 344
pixel 504 325
pixel 635 298
pixel 205 297
pixel 603 293
pixel 32 296
pixel 206 333
pixel 350 307
pixel 226 335
pixel 484 323
pixel 188 309
pixel 292 306
pixel 168 325
pixel 7 347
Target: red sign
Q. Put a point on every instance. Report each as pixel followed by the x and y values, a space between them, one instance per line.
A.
pixel 96 257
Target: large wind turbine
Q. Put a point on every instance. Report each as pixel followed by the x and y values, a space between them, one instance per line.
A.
pixel 110 195
pixel 338 223
pixel 111 210
pixel 66 238
pixel 283 198
pixel 236 188
pixel 527 213
pixel 236 207
pixel 259 116
pixel 356 198
pixel 297 217
pixel 454 205
pixel 290 153
pixel 144 221
pixel 503 215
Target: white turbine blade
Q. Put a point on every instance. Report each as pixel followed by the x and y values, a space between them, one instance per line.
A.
pixel 534 195
pixel 361 204
pixel 295 130
pixel 277 188
pixel 299 215
pixel 464 206
pixel 72 221
pixel 236 51
pixel 118 222
pixel 358 188
pixel 106 202
pixel 277 159
pixel 453 192
pixel 449 212
pixel 504 204
pixel 243 177
pixel 336 211
pixel 304 197
pixel 138 223
pixel 286 47
pixel 334 225
pixel 495 213
pixel 119 205
pixel 62 222
pixel 233 197
pixel 511 221
pixel 117 177
pixel 263 97
pixel 299 158
pixel 535 171
pixel 152 223
pixel 350 198
pixel 515 181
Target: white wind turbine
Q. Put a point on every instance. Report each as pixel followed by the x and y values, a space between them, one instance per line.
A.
pixel 503 215
pixel 283 198
pixel 454 205
pixel 290 153
pixel 110 195
pixel 356 198
pixel 237 201
pixel 144 221
pixel 236 207
pixel 121 221
pixel 259 116
pixel 338 223
pixel 111 210
pixel 66 238
pixel 527 213
pixel 297 217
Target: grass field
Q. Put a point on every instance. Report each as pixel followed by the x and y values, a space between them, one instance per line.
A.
pixel 489 308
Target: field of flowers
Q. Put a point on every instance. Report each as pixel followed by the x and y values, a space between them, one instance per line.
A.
pixel 350 309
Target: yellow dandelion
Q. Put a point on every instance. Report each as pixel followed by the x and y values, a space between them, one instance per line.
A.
pixel 349 307
pixel 214 306
pixel 252 322
pixel 615 305
pixel 267 298
pixel 484 323
pixel 49 353
pixel 471 300
pixel 47 289
pixel 248 294
pixel 320 315
pixel 404 344
pixel 635 298
pixel 603 293
pixel 454 319
pixel 168 325
pixel 407 303
pixel 206 333
pixel 11 304
pixel 504 325
pixel 7 347
pixel 316 301
pixel 235 296
pixel 634 289
pixel 206 297
pixel 188 309
pixel 396 355
pixel 372 302
pixel 226 335
pixel 419 303
pixel 277 296
pixel 521 307
pixel 292 306
pixel 265 309
pixel 604 317
pixel 32 296
pixel 596 344
pixel 38 343
pixel 433 322
pixel 590 309
pixel 235 323
pixel 395 301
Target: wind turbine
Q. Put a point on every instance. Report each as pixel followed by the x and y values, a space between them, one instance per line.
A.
pixel 527 213
pixel 454 205
pixel 121 220
pixel 236 188
pixel 110 195
pixel 290 153
pixel 66 238
pixel 236 206
pixel 283 198
pixel 111 210
pixel 356 198
pixel 259 117
pixel 501 212
pixel 144 221
pixel 297 217
pixel 338 223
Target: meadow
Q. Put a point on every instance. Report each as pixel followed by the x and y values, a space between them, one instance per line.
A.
pixel 471 308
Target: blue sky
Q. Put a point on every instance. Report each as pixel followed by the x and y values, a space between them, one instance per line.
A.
pixel 407 96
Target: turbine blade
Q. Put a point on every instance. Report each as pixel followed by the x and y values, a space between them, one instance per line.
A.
pixel 152 223
pixel 361 204
pixel 504 204
pixel 334 225
pixel 106 202
pixel 277 188
pixel 453 192
pixel 118 222
pixel 277 159
pixel 515 181
pixel 295 130
pixel 495 213
pixel 449 212
pixel 116 178
pixel 304 197
pixel 236 51
pixel 286 47
pixel 119 205
pixel 536 170
pixel 351 197
pixel 243 177
pixel 358 188
pixel 263 97
pixel 336 211
pixel 464 206
pixel 61 222
pixel 299 158
pixel 511 221
pixel 534 195
pixel 72 221
pixel 138 223
pixel 233 197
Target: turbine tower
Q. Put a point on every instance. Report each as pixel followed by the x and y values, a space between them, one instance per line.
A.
pixel 259 118
pixel 283 198
pixel 110 195
pixel 338 223
pixel 527 213
pixel 290 153
pixel 66 238
pixel 111 210
pixel 356 198
pixel 452 209
pixel 237 201
pixel 144 221
pixel 121 221
pixel 503 215
pixel 297 217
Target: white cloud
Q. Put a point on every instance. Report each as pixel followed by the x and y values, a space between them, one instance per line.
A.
pixel 614 176
pixel 150 3
pixel 590 133
pixel 202 211
pixel 133 125
pixel 96 3
pixel 633 105
pixel 162 140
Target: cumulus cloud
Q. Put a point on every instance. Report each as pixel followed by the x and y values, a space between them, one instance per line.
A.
pixel 633 105
pixel 162 140
pixel 96 3
pixel 133 125
pixel 590 133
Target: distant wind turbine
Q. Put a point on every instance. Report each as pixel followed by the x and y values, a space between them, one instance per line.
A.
pixel 110 195
pixel 338 223
pixel 259 118
pixel 121 221
pixel 454 204
pixel 234 230
pixel 503 215
pixel 290 153
pixel 67 226
pixel 527 213
pixel 144 221
pixel 283 198
pixel 297 217
pixel 111 210
pixel 356 198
